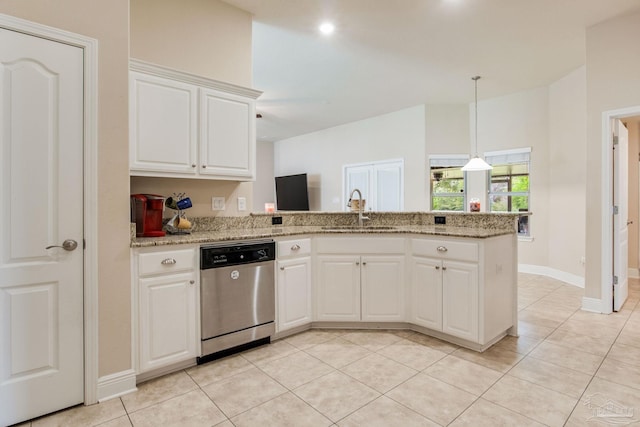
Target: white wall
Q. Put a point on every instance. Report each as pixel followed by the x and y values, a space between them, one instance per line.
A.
pixel 263 187
pixel 447 129
pixel 567 172
pixel 613 82
pixel 516 121
pixel 322 155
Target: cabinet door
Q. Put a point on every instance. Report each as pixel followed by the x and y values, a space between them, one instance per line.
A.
pixel 426 293
pixel 294 293
pixel 162 126
pixel 460 300
pixel 338 287
pixel 382 288
pixel 227 135
pixel 167 319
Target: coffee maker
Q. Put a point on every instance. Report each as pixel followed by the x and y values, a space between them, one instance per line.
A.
pixel 146 212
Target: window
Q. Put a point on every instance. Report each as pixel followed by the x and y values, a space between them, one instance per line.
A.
pixel 509 189
pixel 447 182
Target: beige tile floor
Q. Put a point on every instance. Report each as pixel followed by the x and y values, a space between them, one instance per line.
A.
pixel 565 365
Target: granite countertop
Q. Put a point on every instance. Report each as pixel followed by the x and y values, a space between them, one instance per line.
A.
pixel 280 231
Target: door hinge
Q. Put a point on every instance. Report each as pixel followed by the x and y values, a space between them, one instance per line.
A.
pixel 615 280
pixel 615 140
pixel 615 210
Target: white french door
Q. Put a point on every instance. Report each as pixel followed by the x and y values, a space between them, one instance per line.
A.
pixel 41 221
pixel 381 184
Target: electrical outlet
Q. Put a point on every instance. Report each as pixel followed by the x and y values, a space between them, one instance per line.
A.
pixel 276 220
pixel 217 203
pixel 440 220
pixel 242 203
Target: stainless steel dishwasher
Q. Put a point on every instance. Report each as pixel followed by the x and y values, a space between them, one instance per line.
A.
pixel 237 295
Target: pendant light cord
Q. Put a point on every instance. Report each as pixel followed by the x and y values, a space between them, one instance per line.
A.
pixel 475 79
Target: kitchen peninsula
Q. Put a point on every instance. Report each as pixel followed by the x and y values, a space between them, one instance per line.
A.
pixel 455 280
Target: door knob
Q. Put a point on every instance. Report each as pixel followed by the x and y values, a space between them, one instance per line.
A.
pixel 67 245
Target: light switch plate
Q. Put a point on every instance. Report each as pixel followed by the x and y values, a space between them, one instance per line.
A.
pixel 217 203
pixel 242 203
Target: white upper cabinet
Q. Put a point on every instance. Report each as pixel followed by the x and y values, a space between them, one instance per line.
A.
pixel 227 134
pixel 163 125
pixel 186 126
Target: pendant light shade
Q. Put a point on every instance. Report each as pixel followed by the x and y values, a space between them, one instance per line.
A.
pixel 476 163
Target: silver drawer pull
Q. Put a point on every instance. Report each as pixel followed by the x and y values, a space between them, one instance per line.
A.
pixel 441 249
pixel 168 261
pixel 295 247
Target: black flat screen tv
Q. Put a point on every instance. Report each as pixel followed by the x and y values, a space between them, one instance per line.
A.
pixel 292 193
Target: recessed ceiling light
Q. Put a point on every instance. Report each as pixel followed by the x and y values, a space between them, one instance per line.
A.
pixel 327 28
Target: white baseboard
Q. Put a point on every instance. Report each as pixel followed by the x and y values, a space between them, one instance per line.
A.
pixel 116 385
pixel 563 276
pixel 593 304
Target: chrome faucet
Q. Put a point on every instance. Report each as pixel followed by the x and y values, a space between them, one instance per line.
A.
pixel 361 217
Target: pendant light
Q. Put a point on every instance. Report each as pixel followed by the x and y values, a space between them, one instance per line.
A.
pixel 476 163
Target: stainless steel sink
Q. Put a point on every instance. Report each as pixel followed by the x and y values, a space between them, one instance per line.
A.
pixel 357 228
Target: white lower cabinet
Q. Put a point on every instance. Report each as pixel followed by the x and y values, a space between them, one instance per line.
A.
pixel 166 308
pixel 338 295
pixel 464 288
pixel 358 286
pixel 445 297
pixel 460 300
pixel 426 301
pixel 293 284
pixel 294 293
pixel 382 288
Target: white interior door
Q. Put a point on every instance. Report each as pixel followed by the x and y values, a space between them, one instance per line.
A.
pixel 620 221
pixel 41 188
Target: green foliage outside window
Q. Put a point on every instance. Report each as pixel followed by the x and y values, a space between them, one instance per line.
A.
pixel 447 189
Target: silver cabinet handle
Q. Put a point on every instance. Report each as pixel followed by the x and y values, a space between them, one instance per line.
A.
pixel 193 165
pixel 444 268
pixel 295 247
pixel 67 245
pixel 168 261
pixel 441 249
pixel 437 267
pixel 204 166
pixel 282 268
pixel 364 262
pixel 191 282
pixel 357 262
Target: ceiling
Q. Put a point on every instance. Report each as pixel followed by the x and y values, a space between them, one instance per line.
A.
pixel 386 55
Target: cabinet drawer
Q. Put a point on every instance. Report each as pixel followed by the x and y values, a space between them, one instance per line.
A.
pixel 446 249
pixel 288 248
pixel 360 245
pixel 166 261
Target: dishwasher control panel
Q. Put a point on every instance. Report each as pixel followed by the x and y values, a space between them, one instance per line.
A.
pixel 220 255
